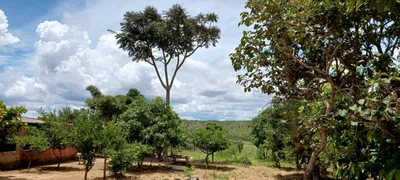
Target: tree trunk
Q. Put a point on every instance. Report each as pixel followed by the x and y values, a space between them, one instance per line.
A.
pixel 207 160
pixel 167 94
pixel 165 153
pixel 59 160
pixel 315 153
pixel 29 164
pixel 105 167
pixel 159 153
pixel 86 172
pixel 297 161
pixel 324 138
pixel 212 157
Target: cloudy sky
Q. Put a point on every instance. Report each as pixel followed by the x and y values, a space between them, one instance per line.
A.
pixel 51 50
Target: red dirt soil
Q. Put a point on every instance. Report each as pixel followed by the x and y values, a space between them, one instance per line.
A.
pixel 157 171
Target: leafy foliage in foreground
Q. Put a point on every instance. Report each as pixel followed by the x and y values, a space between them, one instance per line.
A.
pixel 325 54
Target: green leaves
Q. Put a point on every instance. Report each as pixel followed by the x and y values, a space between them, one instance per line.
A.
pixel 342 112
pixel 210 139
pixel 391 174
pixel 35 138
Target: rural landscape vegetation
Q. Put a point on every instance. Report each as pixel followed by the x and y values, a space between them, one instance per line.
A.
pixel 331 67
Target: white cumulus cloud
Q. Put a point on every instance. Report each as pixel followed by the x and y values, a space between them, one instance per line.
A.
pixel 69 56
pixel 6 38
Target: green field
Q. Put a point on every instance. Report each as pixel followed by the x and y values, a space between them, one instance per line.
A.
pixel 236 130
pixel 230 157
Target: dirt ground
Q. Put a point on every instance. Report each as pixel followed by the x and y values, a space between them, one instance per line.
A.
pixel 157 171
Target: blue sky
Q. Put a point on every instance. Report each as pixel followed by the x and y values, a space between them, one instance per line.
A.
pixel 54 49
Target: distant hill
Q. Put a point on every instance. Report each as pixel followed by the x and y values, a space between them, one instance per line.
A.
pixel 236 130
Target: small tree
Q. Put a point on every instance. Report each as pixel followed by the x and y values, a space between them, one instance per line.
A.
pixel 175 34
pixel 123 158
pixel 113 137
pixel 154 123
pixel 57 131
pixel 210 140
pixel 35 139
pixel 87 137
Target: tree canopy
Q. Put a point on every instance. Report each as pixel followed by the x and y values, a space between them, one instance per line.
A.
pixel 318 52
pixel 158 39
pixel 210 139
pixel 34 141
pixel 10 121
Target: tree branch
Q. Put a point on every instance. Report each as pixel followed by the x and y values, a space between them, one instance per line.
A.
pixel 329 64
pixel 299 61
pixel 394 46
pixel 176 71
pixel 158 73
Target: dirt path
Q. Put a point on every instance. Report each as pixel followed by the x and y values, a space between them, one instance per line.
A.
pixel 73 171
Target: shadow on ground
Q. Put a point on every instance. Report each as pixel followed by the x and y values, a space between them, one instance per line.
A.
pixel 60 169
pixel 146 169
pixel 220 167
pixel 11 178
pixel 295 176
pixel 288 169
pixel 120 178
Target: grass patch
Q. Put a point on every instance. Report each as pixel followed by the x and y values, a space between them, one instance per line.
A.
pixel 230 157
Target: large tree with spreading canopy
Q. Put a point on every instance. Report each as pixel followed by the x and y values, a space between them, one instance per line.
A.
pixel 317 51
pixel 160 39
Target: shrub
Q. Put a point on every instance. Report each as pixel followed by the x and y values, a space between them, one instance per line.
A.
pixel 239 145
pixel 188 171
pixel 245 161
pixel 122 159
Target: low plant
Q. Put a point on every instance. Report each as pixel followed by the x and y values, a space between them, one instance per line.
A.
pixel 245 161
pixel 122 159
pixel 188 171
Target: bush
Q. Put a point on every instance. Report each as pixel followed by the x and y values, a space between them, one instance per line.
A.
pixel 239 145
pixel 229 154
pixel 122 159
pixel 188 171
pixel 262 154
pixel 245 161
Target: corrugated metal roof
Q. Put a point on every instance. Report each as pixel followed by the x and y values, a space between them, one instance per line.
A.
pixel 32 120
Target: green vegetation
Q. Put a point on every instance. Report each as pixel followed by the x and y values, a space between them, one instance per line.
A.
pixel 232 156
pixel 235 130
pixel 210 140
pixel 123 158
pixel 337 60
pixel 330 65
pixel 188 171
pixel 174 33
pixel 34 140
pixel 57 131
pixel 10 123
